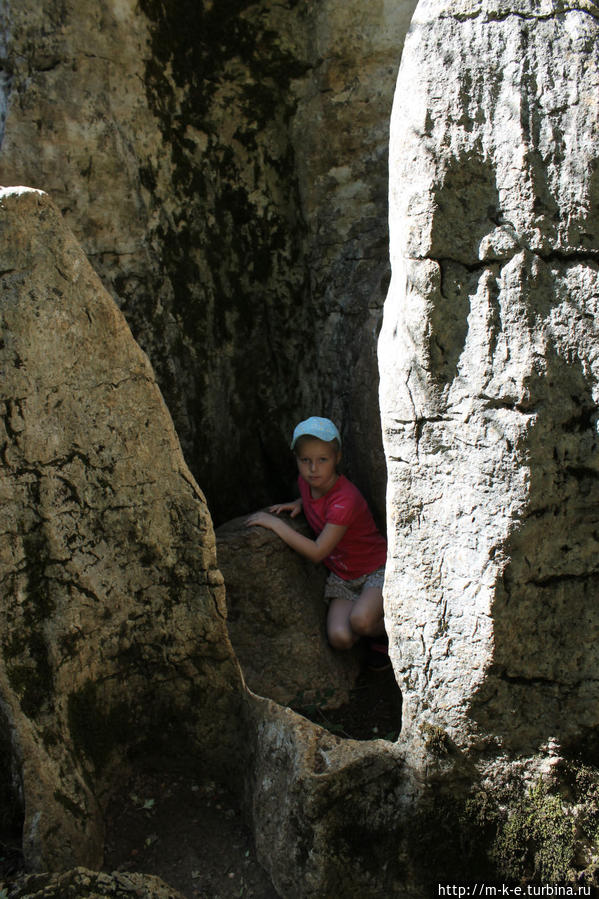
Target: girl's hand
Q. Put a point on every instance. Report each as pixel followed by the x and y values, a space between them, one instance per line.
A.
pixel 263 520
pixel 294 508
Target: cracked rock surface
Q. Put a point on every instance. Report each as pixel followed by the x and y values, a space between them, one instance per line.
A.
pixel 112 615
pixel 490 373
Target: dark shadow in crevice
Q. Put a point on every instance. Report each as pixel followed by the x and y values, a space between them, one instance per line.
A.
pixel 11 806
pixel 373 711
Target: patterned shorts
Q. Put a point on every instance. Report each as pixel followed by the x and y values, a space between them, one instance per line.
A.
pixel 337 588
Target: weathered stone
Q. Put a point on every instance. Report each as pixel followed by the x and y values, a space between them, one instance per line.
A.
pixel 324 809
pixel 226 172
pixel 81 883
pixel 276 618
pixel 490 378
pixel 112 609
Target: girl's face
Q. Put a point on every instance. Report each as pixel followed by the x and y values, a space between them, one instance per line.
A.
pixel 317 463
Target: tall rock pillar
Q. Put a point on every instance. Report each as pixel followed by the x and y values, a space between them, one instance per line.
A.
pixel 489 359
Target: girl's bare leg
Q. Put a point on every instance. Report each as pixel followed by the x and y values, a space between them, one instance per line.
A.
pixel 366 618
pixel 339 631
pixel 347 621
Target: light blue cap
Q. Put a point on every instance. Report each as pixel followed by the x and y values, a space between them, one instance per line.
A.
pixel 323 428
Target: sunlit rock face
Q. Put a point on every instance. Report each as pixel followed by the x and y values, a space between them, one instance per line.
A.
pixel 489 370
pixel 112 610
pixel 225 171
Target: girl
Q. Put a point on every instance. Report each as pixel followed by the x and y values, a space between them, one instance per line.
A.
pixel 347 540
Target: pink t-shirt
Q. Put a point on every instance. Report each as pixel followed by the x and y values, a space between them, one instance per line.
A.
pixel 362 549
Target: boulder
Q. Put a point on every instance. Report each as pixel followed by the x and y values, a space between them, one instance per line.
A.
pixel 276 618
pixel 490 377
pixel 112 610
pixel 81 883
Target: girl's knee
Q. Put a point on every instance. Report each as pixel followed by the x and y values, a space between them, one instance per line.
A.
pixel 340 638
pixel 366 617
pixel 363 622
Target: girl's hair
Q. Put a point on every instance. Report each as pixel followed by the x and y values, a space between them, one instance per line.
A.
pixel 301 440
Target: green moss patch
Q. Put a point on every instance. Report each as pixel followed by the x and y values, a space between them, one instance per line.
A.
pixel 546 832
pixel 536 842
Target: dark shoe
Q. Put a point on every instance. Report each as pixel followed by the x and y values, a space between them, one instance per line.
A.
pixel 377 653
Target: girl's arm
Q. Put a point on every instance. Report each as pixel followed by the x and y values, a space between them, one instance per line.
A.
pixel 315 550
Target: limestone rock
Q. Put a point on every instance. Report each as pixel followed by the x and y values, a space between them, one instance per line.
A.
pixel 325 810
pixel 81 883
pixel 276 618
pixel 112 610
pixel 490 378
pixel 226 173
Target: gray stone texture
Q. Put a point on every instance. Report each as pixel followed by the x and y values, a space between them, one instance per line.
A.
pixel 276 618
pixel 489 374
pixel 112 610
pixel 225 173
pixel 224 168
